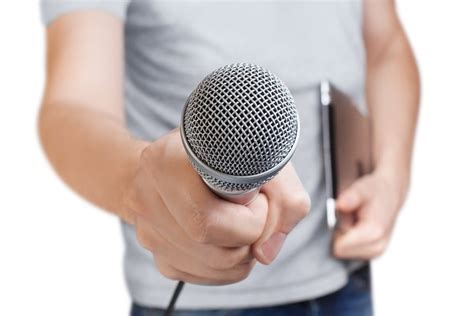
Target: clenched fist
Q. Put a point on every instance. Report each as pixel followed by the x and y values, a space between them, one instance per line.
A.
pixel 367 212
pixel 198 237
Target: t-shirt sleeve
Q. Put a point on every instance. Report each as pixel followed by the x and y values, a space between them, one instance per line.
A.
pixel 52 9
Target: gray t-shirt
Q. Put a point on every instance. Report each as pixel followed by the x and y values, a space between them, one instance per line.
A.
pixel 169 47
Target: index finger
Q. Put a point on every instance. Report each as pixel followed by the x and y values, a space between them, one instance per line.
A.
pixel 209 219
pixel 356 240
pixel 234 225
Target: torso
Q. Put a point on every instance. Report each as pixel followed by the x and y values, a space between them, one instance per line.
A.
pixel 171 46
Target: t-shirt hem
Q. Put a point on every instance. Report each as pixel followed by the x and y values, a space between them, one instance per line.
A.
pixel 212 298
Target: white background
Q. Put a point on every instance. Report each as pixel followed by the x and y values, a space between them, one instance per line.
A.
pixel 61 256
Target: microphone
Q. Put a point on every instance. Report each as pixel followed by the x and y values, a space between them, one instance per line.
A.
pixel 239 127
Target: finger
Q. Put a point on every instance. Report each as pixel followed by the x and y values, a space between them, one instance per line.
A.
pixel 359 241
pixel 200 275
pixel 166 252
pixel 233 225
pixel 353 197
pixel 216 256
pixel 362 252
pixel 345 221
pixel 175 274
pixel 288 204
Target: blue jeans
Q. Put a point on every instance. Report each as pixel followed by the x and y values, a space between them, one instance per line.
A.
pixel 354 299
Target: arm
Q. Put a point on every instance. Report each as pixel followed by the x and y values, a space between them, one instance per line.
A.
pixel 392 85
pixel 81 123
pixel 393 89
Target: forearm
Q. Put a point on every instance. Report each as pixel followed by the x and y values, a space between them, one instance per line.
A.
pixel 91 151
pixel 392 85
pixel 393 100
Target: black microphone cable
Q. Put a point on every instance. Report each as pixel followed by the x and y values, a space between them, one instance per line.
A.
pixel 169 311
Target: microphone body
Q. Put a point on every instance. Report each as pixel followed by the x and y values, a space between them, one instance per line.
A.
pixel 239 127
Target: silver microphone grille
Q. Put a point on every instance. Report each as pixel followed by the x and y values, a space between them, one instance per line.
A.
pixel 240 127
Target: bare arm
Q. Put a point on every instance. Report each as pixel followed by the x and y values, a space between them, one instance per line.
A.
pixel 393 98
pixel 393 88
pixel 81 123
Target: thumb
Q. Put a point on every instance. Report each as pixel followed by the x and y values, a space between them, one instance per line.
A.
pixel 352 198
pixel 267 247
pixel 349 202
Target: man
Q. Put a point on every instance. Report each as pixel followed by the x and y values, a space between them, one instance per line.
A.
pixel 118 75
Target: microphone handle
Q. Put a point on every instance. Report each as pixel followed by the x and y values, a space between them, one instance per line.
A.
pixel 243 198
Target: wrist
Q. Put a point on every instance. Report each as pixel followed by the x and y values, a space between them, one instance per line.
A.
pixel 131 167
pixel 396 176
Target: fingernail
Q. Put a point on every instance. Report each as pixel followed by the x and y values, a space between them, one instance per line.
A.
pixel 272 246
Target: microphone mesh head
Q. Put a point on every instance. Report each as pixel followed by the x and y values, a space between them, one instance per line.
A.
pixel 241 122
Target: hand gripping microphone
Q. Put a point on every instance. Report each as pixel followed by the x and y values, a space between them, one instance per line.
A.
pixel 239 128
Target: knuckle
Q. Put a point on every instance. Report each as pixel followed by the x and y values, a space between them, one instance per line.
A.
pixel 376 233
pixel 380 248
pixel 169 273
pixel 229 259
pixel 243 272
pixel 200 225
pixel 144 238
pixel 252 236
pixel 166 270
pixel 301 203
pixel 237 274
